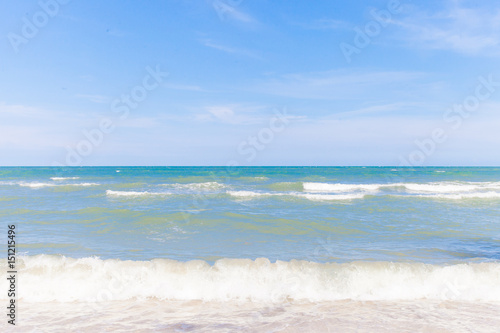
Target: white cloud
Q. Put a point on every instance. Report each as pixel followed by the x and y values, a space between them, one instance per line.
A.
pixel 471 31
pixel 224 113
pixel 25 126
pixel 229 49
pixel 232 114
pixel 228 9
pixel 183 87
pixel 139 122
pixel 377 110
pixel 338 85
pixel 19 110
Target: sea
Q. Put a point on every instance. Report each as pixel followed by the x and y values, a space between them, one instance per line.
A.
pixel 252 249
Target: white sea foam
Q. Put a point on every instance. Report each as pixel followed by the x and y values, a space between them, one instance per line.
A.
pixel 37 184
pixel 133 193
pixel 309 196
pixel 459 196
pixel 40 185
pixel 243 194
pixel 92 279
pixel 64 178
pixel 428 188
pixel 327 187
pixel 207 186
pixel 328 197
pixel 443 187
pixel 80 184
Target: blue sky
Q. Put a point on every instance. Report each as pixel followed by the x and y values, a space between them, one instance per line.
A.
pixel 260 82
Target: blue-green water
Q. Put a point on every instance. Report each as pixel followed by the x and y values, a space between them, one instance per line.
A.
pixel 319 214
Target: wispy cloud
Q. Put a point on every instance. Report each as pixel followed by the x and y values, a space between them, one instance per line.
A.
pixel 47 118
pixel 471 31
pixel 140 122
pixel 338 85
pixel 229 49
pixel 379 110
pixel 228 9
pixel 19 111
pixel 31 127
pixel 235 114
pixel 185 87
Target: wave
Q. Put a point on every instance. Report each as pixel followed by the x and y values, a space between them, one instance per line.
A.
pixel 338 191
pixel 133 193
pixel 198 186
pixel 309 196
pixel 243 194
pixel 445 187
pixel 474 195
pixel 326 187
pixel 93 279
pixel 37 185
pixel 327 197
pixel 64 178
pixel 81 184
pixel 252 179
pixel 411 188
pixel 40 185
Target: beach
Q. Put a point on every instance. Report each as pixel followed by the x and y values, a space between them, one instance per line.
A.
pixel 198 316
pixel 255 249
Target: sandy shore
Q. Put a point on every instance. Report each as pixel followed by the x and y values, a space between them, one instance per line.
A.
pixel 197 316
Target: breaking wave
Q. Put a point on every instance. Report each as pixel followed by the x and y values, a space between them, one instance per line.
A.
pixel 93 279
pixel 309 196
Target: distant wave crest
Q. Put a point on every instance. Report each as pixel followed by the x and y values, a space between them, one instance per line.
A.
pixel 309 196
pixel 64 178
pixel 133 193
pixel 40 185
pixel 326 187
pixel 197 186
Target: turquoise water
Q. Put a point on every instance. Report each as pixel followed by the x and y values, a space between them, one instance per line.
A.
pixel 319 214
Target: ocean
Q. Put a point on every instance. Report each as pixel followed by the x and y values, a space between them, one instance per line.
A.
pixel 253 249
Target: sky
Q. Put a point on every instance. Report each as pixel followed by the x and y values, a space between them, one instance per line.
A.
pixel 240 82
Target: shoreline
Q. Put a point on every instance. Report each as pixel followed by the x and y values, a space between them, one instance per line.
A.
pixel 197 316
